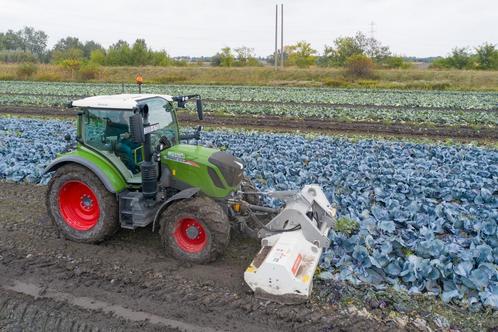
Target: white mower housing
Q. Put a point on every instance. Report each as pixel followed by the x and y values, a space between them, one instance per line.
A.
pixel 292 244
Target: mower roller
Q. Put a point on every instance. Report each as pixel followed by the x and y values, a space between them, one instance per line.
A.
pixel 130 168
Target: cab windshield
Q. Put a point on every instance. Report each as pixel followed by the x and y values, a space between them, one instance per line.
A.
pixel 161 112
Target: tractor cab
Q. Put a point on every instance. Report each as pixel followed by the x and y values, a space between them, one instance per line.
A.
pixel 104 126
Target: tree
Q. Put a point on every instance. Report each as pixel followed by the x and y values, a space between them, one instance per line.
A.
pixel 245 56
pixel 119 54
pixel 91 46
pixel 460 58
pixel 27 40
pixel 346 47
pixel 487 56
pixel 140 54
pixel 73 54
pixel 69 48
pixel 160 58
pixel 98 56
pixel 301 54
pixel 224 58
pixel 33 41
pixel 11 41
pixel 67 43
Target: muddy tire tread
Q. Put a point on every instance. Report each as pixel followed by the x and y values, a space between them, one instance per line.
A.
pixel 210 214
pixel 107 200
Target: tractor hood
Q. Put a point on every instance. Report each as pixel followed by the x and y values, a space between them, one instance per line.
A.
pixel 215 172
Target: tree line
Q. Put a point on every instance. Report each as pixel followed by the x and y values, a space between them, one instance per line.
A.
pixel 30 45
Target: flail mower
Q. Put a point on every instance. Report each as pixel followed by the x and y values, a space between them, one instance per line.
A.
pixel 130 169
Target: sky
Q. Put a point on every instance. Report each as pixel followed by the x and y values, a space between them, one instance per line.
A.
pixel 194 28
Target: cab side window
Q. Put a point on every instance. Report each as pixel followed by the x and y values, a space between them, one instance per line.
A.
pixel 108 130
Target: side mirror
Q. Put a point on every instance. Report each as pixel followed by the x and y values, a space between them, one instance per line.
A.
pixel 137 128
pixel 199 109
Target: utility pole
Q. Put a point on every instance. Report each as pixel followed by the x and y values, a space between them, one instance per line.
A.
pixel 275 56
pixel 282 36
pixel 372 29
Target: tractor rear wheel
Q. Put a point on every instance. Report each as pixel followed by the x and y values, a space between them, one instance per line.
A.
pixel 80 206
pixel 195 230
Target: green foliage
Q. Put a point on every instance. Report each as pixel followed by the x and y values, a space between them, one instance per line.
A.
pixel 72 54
pixel 359 65
pixel 140 54
pixel 89 71
pixel 487 56
pixel 16 56
pixel 245 57
pixel 395 62
pixel 98 56
pixel 26 70
pixel 161 58
pixel 224 58
pixel 27 40
pixel 121 54
pixel 346 47
pixel 460 58
pixel 346 226
pixel 300 54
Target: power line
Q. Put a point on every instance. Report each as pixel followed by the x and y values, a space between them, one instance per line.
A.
pixel 282 36
pixel 275 56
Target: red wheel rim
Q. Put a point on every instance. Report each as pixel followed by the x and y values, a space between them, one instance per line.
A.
pixel 78 205
pixel 190 235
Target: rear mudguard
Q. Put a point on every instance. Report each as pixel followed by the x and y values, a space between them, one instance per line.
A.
pixel 110 177
pixel 186 193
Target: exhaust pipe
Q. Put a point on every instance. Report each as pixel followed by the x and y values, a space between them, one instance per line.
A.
pixel 138 122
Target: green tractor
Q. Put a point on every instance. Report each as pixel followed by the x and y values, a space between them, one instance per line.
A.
pixel 130 169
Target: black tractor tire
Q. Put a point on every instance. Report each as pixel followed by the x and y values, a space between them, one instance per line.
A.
pixel 248 186
pixel 104 225
pixel 209 218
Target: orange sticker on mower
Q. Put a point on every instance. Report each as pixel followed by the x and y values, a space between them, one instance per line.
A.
pixel 296 264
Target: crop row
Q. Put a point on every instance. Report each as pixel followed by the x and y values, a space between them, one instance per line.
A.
pixel 419 218
pixel 341 114
pixel 430 99
pixel 349 114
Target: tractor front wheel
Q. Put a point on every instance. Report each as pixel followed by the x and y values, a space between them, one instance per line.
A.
pixel 80 206
pixel 195 230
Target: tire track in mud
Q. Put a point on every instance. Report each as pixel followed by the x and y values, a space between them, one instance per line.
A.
pixel 91 304
pixel 131 271
pixel 21 312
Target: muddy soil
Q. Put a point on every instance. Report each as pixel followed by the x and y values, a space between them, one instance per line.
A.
pixel 305 125
pixel 128 283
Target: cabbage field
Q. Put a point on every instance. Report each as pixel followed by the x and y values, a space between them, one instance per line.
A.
pixel 428 99
pixel 415 217
pixel 421 108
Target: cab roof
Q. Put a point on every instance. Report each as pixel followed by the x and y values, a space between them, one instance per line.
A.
pixel 121 101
